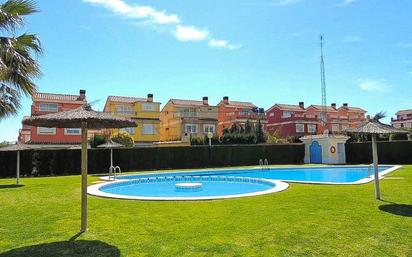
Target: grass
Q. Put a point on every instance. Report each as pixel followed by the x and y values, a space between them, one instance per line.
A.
pixel 41 218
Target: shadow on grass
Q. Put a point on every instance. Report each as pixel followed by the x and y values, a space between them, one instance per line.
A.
pixel 73 248
pixel 10 186
pixel 397 209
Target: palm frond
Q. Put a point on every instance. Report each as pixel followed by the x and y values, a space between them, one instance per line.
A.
pixel 9 101
pixel 11 13
pixel 379 115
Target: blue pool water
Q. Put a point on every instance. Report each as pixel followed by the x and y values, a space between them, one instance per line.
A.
pixel 226 183
pixel 338 174
pixel 211 186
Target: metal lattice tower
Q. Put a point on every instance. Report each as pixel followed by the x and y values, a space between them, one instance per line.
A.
pixel 323 81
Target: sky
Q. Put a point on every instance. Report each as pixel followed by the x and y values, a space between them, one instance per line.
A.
pixel 262 51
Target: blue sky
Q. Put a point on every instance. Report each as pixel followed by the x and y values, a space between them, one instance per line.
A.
pixel 264 51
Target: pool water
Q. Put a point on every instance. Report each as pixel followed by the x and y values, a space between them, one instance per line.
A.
pixel 211 186
pixel 327 174
pixel 229 183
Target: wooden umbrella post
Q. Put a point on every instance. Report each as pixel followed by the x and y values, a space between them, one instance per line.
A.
pixel 83 227
pixel 375 166
pixel 18 168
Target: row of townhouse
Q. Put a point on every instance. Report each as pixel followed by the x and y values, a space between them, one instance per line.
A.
pixel 179 119
pixel 403 119
pixel 298 120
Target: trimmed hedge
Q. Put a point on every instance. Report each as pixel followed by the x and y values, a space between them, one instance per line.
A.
pixel 389 152
pixel 67 162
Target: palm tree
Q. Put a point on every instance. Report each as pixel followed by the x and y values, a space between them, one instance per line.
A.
pixel 18 63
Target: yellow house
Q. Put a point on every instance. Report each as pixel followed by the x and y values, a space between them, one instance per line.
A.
pixel 143 110
pixel 181 119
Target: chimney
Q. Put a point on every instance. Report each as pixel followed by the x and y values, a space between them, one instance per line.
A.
pixel 226 100
pixel 82 95
pixel 333 105
pixel 205 100
pixel 150 98
pixel 345 105
pixel 302 105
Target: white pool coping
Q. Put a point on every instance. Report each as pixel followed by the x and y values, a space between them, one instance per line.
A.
pixel 358 182
pixel 95 190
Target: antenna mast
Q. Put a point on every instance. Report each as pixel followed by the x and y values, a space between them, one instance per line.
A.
pixel 323 82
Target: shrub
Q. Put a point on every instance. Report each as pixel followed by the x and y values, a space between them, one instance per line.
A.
pixel 97 140
pixel 123 138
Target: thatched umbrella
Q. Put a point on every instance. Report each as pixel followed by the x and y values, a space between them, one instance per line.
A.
pixel 16 148
pixel 85 118
pixel 110 145
pixel 374 127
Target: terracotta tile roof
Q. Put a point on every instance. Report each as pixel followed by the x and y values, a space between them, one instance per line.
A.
pixel 320 107
pixel 239 104
pixel 56 97
pixel 187 102
pixel 353 109
pixel 287 107
pixel 125 99
pixel 402 112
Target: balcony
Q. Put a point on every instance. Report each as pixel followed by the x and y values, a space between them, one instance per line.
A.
pixel 250 115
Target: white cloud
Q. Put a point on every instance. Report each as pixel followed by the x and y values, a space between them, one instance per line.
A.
pixel 137 11
pixel 162 21
pixel 372 85
pixel 190 33
pixel 352 39
pixel 285 2
pixel 216 43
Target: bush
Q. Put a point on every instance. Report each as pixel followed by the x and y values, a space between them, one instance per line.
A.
pixel 97 140
pixel 123 138
pixel 238 138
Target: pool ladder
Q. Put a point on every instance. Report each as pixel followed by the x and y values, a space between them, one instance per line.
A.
pixel 112 172
pixel 369 169
pixel 264 165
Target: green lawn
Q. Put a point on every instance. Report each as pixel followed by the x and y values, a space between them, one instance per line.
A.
pixel 42 217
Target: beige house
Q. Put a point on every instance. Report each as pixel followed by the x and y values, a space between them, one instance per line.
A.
pixel 180 119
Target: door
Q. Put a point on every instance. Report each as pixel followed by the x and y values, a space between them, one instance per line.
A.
pixel 315 152
pixel 341 153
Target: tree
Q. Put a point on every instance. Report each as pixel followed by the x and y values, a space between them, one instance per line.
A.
pixel 18 63
pixel 260 135
pixel 248 127
pixel 123 138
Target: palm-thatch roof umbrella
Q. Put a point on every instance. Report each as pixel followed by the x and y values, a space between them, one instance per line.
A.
pixel 110 145
pixel 374 127
pixel 85 118
pixel 16 148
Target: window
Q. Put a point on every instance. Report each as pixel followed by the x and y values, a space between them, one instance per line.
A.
pixel 72 131
pixel 408 125
pixel 148 107
pixel 46 131
pixel 130 131
pixel 311 128
pixel 191 128
pixel 286 114
pixel 345 127
pixel 300 128
pixel 148 129
pixel 125 109
pixel 244 112
pixel 208 128
pixel 335 127
pixel 48 107
pixel 271 114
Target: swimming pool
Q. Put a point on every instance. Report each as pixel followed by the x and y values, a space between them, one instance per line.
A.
pixel 199 188
pixel 228 183
pixel 319 175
